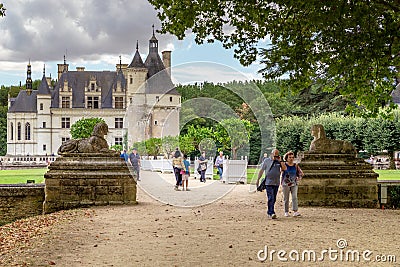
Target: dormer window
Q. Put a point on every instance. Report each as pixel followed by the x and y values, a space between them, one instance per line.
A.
pixel 93 102
pixel 65 86
pixel 65 102
pixel 119 102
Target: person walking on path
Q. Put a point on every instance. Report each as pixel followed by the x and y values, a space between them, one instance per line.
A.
pixel 178 165
pixel 185 176
pixel 134 158
pixel 219 163
pixel 272 167
pixel 289 182
pixel 202 166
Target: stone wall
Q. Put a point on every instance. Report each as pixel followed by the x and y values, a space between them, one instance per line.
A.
pixel 19 201
pixel 88 179
pixel 337 180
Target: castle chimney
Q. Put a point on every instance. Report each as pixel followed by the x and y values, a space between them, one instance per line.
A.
pixel 166 57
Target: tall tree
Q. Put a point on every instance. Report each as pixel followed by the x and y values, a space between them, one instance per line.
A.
pixel 234 134
pixel 350 46
pixel 2 10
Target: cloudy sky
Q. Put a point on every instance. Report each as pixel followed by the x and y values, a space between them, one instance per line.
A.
pixel 94 34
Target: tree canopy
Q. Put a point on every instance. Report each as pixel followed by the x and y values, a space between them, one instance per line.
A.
pixel 2 10
pixel 83 128
pixel 349 46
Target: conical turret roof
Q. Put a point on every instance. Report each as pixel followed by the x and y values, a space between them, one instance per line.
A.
pixel 137 61
pixel 44 87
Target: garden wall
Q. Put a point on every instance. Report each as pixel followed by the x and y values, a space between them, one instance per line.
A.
pixel 19 201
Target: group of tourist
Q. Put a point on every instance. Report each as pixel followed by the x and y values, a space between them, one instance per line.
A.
pixel 181 167
pixel 283 173
pixel 134 159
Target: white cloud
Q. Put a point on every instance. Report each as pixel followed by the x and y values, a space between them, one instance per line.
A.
pixel 93 34
pixel 44 29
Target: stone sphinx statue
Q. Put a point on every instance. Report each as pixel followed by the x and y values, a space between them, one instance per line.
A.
pixel 323 145
pixel 93 144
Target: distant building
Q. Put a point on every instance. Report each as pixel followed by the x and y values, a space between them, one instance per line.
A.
pixel 137 101
pixel 396 93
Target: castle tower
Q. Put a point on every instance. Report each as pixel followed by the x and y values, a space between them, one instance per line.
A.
pixel 43 127
pixel 62 68
pixel 136 75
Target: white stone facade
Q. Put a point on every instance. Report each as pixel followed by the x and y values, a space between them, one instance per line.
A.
pixel 131 110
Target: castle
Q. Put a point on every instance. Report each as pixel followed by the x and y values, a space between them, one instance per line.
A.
pixel 137 101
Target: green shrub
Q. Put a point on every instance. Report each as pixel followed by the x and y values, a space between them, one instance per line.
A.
pixel 394 193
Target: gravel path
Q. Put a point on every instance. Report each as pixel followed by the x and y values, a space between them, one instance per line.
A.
pixel 228 232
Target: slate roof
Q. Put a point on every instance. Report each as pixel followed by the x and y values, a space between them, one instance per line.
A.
pixel 77 80
pixel 153 63
pixel 158 82
pixel 44 87
pixel 24 103
pixel 137 61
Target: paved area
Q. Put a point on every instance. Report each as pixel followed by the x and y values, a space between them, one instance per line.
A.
pixel 160 186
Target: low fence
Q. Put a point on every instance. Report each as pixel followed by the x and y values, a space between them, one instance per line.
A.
pixel 161 165
pixel 19 201
pixel 11 162
pixel 235 171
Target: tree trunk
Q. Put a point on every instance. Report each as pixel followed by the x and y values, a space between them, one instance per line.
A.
pixel 234 153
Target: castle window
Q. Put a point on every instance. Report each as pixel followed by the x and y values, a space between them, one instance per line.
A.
pixel 65 103
pixel 157 98
pixel 93 102
pixel 118 141
pixel 27 131
pixel 64 139
pixel 65 123
pixel 41 106
pixel 12 131
pixel 155 122
pixel 44 147
pixel 130 80
pixel 170 99
pixel 19 131
pixel 119 102
pixel 44 124
pixel 119 123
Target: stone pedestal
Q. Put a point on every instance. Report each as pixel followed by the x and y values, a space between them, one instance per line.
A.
pixel 338 180
pixel 88 179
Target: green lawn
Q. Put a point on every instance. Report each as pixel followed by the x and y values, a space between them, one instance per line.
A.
pixel 21 176
pixel 383 175
pixel 388 174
